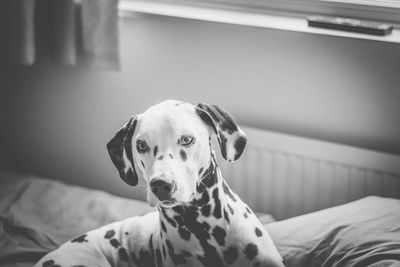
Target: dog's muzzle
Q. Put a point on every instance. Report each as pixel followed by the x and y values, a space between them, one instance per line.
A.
pixel 162 189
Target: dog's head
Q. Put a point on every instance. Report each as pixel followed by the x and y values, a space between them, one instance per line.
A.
pixel 170 144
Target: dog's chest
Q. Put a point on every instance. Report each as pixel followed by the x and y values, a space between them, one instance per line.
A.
pixel 234 238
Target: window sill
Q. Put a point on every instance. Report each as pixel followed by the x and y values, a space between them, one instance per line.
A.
pixel 273 20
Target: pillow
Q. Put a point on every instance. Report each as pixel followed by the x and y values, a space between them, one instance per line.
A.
pixel 365 232
pixel 265 217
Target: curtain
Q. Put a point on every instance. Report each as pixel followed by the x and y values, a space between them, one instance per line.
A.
pixel 69 32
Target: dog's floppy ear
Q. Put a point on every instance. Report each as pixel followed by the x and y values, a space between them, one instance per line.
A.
pixel 120 151
pixel 231 138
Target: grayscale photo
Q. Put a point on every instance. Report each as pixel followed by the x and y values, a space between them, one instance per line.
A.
pixel 214 133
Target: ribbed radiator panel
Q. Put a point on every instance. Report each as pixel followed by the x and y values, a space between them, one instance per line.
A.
pixel 307 175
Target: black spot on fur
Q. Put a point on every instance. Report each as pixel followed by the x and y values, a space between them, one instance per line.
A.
pixel 131 176
pixel 123 254
pixel 219 234
pixel 217 209
pixel 206 210
pixel 189 215
pixel 246 215
pixel 223 141
pixel 142 164
pixel 219 116
pixel 206 226
pixel 239 145
pixel 200 187
pixel 184 233
pixel 171 156
pixel 80 239
pixel 151 244
pixel 163 227
pixel 160 157
pixel 126 233
pixel 228 192
pixel 203 200
pixel 146 257
pixel 225 120
pixel 201 170
pixel 115 243
pixel 248 210
pixel 251 250
pixel 187 254
pixel 258 232
pixel 169 220
pixel 230 255
pixel 50 263
pixel 210 176
pixel 183 155
pixel 230 209
pixel 226 216
pixel 201 259
pixel 155 151
pixel 179 209
pixel 158 257
pixel 205 117
pixel 176 258
pixel 163 251
pixel 121 142
pixel 179 220
pixel 109 234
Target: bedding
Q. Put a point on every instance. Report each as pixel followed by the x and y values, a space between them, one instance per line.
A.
pixel 361 233
pixel 37 215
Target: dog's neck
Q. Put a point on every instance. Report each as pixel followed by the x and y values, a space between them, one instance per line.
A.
pixel 205 219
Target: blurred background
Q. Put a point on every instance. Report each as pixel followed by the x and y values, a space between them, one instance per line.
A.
pixel 56 120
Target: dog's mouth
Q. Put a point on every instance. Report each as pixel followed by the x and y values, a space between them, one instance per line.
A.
pixel 175 198
pixel 169 203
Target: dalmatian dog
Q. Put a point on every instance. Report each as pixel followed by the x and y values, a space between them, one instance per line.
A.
pixel 199 220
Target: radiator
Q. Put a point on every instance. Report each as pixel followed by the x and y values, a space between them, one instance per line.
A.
pixel 287 176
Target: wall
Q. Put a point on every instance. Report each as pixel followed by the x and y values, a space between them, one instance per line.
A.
pixel 57 120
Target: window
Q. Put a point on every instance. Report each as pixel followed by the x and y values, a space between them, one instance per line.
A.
pixel 379 10
pixel 287 15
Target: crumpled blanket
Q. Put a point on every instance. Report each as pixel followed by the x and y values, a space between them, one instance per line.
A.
pixel 37 215
pixel 361 233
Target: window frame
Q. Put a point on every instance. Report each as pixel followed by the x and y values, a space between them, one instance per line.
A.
pixel 374 10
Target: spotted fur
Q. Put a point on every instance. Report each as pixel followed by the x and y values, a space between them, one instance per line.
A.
pixel 213 228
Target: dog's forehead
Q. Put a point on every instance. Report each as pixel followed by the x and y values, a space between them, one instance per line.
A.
pixel 170 117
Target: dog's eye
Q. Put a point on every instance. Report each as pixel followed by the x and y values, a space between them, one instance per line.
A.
pixel 186 140
pixel 141 146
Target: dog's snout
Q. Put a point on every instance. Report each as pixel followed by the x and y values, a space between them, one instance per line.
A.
pixel 162 188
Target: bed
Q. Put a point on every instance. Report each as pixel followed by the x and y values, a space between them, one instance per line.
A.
pixel 334 205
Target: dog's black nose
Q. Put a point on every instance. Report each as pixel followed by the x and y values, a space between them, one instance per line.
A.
pixel 161 188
